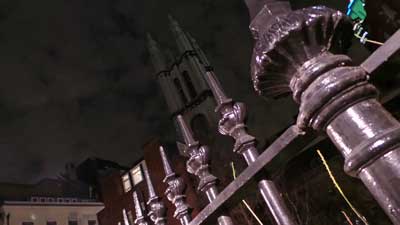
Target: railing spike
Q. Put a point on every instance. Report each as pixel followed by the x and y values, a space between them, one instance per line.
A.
pixel 175 191
pixel 198 165
pixel 140 220
pixel 157 207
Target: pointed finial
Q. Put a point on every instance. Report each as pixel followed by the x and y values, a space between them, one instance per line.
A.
pixel 186 132
pixel 217 90
pixel 156 206
pixel 174 25
pixel 150 40
pixel 157 56
pixel 166 164
pixel 172 20
pixel 200 52
pixel 138 210
pixel 150 187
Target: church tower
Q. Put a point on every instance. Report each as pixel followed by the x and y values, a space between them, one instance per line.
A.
pixel 183 85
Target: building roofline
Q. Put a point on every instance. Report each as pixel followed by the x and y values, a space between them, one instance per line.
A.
pixel 72 204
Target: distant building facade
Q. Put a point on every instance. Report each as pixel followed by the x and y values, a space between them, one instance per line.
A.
pixel 50 211
pixel 117 188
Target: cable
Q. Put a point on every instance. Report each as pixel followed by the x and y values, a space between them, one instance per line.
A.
pixel 368 40
pixel 336 184
pixel 243 201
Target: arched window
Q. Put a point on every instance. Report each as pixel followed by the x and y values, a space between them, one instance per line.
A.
pixel 189 84
pixel 201 129
pixel 178 87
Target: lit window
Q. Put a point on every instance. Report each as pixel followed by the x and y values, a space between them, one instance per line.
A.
pixel 126 182
pixel 136 174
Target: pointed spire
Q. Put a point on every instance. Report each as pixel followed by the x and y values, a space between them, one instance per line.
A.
pixel 180 36
pixel 166 164
pixel 157 57
pixel 138 210
pixel 199 51
pixel 186 132
pixel 217 90
pixel 150 187
pixel 174 24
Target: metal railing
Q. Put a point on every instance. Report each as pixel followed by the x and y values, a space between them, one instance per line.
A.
pixel 335 99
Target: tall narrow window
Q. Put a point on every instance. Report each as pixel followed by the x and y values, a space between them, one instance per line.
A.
pixel 126 182
pixel 137 175
pixel 178 87
pixel 189 84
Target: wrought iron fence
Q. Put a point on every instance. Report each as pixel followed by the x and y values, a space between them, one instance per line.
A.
pixel 292 55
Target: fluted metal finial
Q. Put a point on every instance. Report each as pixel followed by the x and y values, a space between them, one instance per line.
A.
pixel 175 191
pixel 186 132
pixel 157 208
pixel 150 186
pixel 198 165
pixel 199 158
pixel 140 220
pixel 232 123
pixel 166 164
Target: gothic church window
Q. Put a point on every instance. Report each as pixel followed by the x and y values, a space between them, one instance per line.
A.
pixel 189 84
pixel 179 88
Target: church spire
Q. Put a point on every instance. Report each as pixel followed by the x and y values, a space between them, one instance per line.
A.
pixel 180 36
pixel 157 57
pixel 199 51
pixel 165 82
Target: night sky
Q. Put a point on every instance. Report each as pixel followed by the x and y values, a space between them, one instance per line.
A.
pixel 76 79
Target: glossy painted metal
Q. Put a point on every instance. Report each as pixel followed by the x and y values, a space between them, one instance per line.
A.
pixel 175 191
pixel 198 165
pixel 290 141
pixel 140 219
pixel 291 55
pixel 157 208
pixel 233 115
pixel 382 54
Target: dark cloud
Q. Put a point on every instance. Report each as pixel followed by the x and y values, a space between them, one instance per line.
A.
pixel 76 79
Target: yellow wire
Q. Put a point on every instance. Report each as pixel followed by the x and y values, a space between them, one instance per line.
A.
pixel 368 40
pixel 359 215
pixel 243 201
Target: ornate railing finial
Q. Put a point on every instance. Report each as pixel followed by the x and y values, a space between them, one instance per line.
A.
pixel 198 165
pixel 186 133
pixel 157 207
pixel 140 220
pixel 232 123
pixel 175 191
pixel 199 158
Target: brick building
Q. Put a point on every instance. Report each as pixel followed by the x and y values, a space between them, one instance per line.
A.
pixel 117 188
